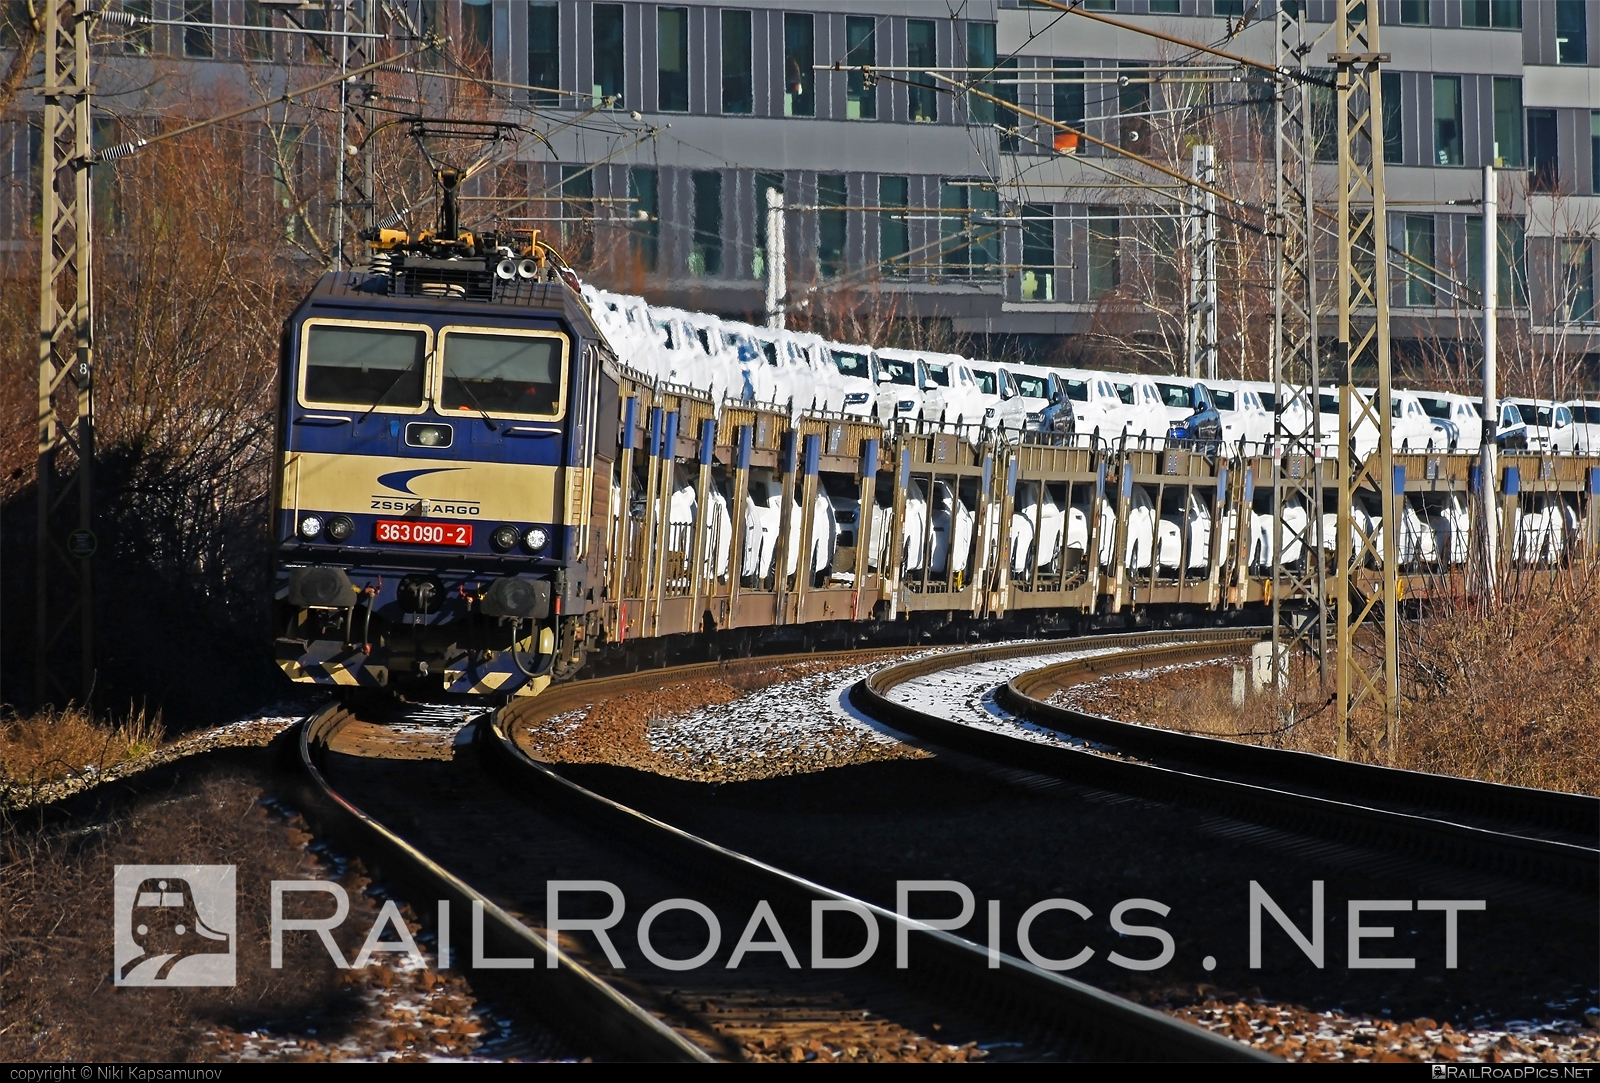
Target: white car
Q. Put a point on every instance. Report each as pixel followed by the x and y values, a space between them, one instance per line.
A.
pixel 764 525
pixel 950 392
pixel 1037 521
pixel 1452 524
pixel 682 514
pixel 1033 388
pixel 855 376
pixel 1244 416
pixel 1096 406
pixel 1538 425
pixel 1456 416
pixel 1412 428
pixel 1585 426
pixel 1146 410
pixel 1003 408
pixel 1543 528
pixel 1297 408
pixel 900 373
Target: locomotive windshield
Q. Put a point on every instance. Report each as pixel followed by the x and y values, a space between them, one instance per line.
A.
pixel 364 366
pixel 502 374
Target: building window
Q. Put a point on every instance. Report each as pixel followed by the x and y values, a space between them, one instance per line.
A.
pixel 1324 118
pixel 1105 251
pixel 1594 152
pixel 672 59
pixel 830 224
pixel 1447 119
pixel 1164 7
pixel 1499 14
pixel 433 23
pixel 1544 160
pixel 643 187
pixel 609 89
pixel 1507 122
pixel 577 231
pixel 477 35
pixel 1133 104
pixel 1414 12
pixel 799 66
pixel 738 82
pixel 137 40
pixel 1572 32
pixel 1223 8
pixel 922 51
pixel 1038 253
pixel 861 41
pixel 1068 96
pixel 1511 279
pixel 1393 132
pixel 544 53
pixel 1419 261
pixel 705 257
pixel 1005 117
pixel 967 246
pixel 257 43
pixel 894 239
pixel 980 61
pixel 765 182
pixel 1576 303
pixel 198 41
pixel 1100 5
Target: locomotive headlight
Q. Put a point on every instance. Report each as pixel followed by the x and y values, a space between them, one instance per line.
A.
pixel 311 526
pixel 503 538
pixel 340 527
pixel 536 538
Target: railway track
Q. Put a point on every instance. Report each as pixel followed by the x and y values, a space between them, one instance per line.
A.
pixel 493 826
pixel 1508 831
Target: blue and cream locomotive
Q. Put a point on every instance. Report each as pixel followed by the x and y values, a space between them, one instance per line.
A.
pixel 441 416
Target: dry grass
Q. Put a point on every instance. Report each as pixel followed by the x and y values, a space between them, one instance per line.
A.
pixel 60 744
pixel 57 999
pixel 1505 692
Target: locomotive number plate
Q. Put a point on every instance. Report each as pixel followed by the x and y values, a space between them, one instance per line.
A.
pixel 411 532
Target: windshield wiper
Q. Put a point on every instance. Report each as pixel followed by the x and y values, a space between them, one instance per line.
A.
pixel 485 414
pixel 403 374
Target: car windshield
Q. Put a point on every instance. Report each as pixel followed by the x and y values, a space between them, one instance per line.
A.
pixel 853 364
pixel 899 372
pixel 769 350
pixel 1222 400
pixel 986 382
pixel 1436 408
pixel 1327 404
pixel 1076 390
pixel 502 374
pixel 666 329
pixel 1125 393
pixel 364 366
pixel 1532 414
pixel 939 374
pixel 1269 400
pixel 1174 395
pixel 1031 387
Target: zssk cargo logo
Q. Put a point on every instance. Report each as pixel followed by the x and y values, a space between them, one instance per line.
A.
pixel 400 481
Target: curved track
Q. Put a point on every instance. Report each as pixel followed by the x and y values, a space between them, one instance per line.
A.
pixel 499 826
pixel 1504 830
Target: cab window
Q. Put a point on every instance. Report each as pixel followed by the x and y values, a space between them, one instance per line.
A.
pixel 939 374
pixel 1222 400
pixel 365 366
pixel 1174 395
pixel 517 374
pixel 985 381
pixel 1125 393
pixel 1032 387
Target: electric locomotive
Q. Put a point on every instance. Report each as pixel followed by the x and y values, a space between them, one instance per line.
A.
pixel 442 417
